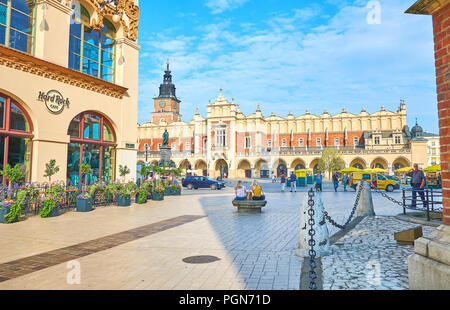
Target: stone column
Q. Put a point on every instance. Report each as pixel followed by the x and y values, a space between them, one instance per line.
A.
pixel 429 267
pixel 365 204
pixel 321 237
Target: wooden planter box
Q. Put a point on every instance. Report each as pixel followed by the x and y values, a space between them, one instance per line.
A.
pixel 84 205
pixel 124 201
pixel 158 196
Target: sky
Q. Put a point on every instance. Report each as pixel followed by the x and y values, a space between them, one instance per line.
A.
pixel 290 56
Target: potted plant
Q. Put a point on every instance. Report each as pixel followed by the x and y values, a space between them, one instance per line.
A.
pixel 141 196
pixel 148 186
pixel 84 199
pixel 50 207
pixel 124 197
pixel 158 193
pixel 13 175
pixel 176 189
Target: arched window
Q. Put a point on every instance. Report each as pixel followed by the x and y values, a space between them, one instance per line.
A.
pixel 17 19
pixel 93 142
pixel 16 134
pixel 90 51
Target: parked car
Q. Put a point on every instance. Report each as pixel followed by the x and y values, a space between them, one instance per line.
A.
pixel 382 181
pixel 202 182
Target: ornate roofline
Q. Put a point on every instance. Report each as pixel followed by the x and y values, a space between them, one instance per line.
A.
pixel 30 64
pixel 131 10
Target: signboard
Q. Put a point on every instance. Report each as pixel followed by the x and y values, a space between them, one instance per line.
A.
pixel 54 101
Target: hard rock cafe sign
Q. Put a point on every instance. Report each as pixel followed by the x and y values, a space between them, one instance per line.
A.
pixel 54 101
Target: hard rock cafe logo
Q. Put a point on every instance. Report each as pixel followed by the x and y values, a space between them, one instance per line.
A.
pixel 54 101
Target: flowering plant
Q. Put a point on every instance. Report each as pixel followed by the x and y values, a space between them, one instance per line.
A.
pixel 84 194
pixel 160 189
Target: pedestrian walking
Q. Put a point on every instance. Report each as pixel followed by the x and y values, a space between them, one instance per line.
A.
pixel 418 185
pixel 283 182
pixel 318 182
pixel 335 181
pixel 345 180
pixel 293 182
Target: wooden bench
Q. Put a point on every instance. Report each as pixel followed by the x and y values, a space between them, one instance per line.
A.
pixel 249 205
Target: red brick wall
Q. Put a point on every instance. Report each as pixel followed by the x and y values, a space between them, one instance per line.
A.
pixel 441 25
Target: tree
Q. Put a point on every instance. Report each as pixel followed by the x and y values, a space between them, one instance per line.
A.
pixel 13 175
pixel 144 172
pixel 331 161
pixel 50 170
pixel 123 171
pixel 85 170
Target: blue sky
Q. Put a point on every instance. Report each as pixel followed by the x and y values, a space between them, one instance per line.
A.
pixel 289 55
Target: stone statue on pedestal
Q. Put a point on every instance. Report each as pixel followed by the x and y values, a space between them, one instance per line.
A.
pixel 166 152
pixel 166 138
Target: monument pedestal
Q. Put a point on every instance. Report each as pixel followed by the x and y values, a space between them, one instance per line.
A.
pixel 166 157
pixel 429 267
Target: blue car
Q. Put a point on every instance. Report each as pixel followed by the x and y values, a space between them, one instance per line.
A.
pixel 202 182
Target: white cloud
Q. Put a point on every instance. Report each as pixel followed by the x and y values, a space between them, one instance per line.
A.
pixel 344 62
pixel 220 6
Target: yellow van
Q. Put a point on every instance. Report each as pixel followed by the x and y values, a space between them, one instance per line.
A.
pixel 382 181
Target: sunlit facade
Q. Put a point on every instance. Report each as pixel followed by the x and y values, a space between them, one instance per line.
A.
pixel 64 94
pixel 227 142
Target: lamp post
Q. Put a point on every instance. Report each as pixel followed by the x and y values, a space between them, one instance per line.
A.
pixel 146 153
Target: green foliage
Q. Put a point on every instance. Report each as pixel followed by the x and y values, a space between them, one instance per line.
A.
pixel 14 175
pixel 142 196
pixel 16 208
pixel 331 161
pixel 148 186
pixel 124 170
pixel 49 205
pixel 86 169
pixel 51 169
pixel 56 193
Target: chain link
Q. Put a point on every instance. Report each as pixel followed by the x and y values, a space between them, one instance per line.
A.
pixel 312 253
pixel 352 214
pixel 386 195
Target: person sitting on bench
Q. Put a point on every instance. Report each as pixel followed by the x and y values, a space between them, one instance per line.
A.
pixel 241 193
pixel 257 192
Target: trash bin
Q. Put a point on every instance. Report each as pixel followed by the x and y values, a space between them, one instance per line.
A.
pixel 288 182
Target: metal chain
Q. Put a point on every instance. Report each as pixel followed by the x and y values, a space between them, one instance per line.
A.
pixel 352 214
pixel 386 196
pixel 312 253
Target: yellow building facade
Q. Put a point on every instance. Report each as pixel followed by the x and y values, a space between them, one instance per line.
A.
pixel 227 142
pixel 69 87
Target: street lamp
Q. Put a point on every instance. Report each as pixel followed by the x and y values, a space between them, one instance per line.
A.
pixel 146 153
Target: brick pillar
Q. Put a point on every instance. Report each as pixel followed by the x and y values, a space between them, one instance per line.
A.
pixel 441 26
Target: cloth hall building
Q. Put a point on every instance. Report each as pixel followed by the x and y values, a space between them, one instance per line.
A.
pixel 254 146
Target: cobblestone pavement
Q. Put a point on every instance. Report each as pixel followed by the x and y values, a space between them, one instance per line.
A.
pixel 256 250
pixel 368 257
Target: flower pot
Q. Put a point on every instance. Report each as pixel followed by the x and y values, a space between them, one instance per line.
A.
pixel 138 196
pixel 124 201
pixel 84 205
pixel 54 212
pixel 168 191
pixel 4 211
pixel 158 196
pixel 149 196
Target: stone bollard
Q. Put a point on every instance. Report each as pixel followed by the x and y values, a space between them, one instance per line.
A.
pixel 365 205
pixel 321 237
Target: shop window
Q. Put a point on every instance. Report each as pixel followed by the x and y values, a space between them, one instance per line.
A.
pixel 91 127
pixel 15 137
pixel 91 51
pixel 2 110
pixel 17 21
pixel 96 148
pixel 74 127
